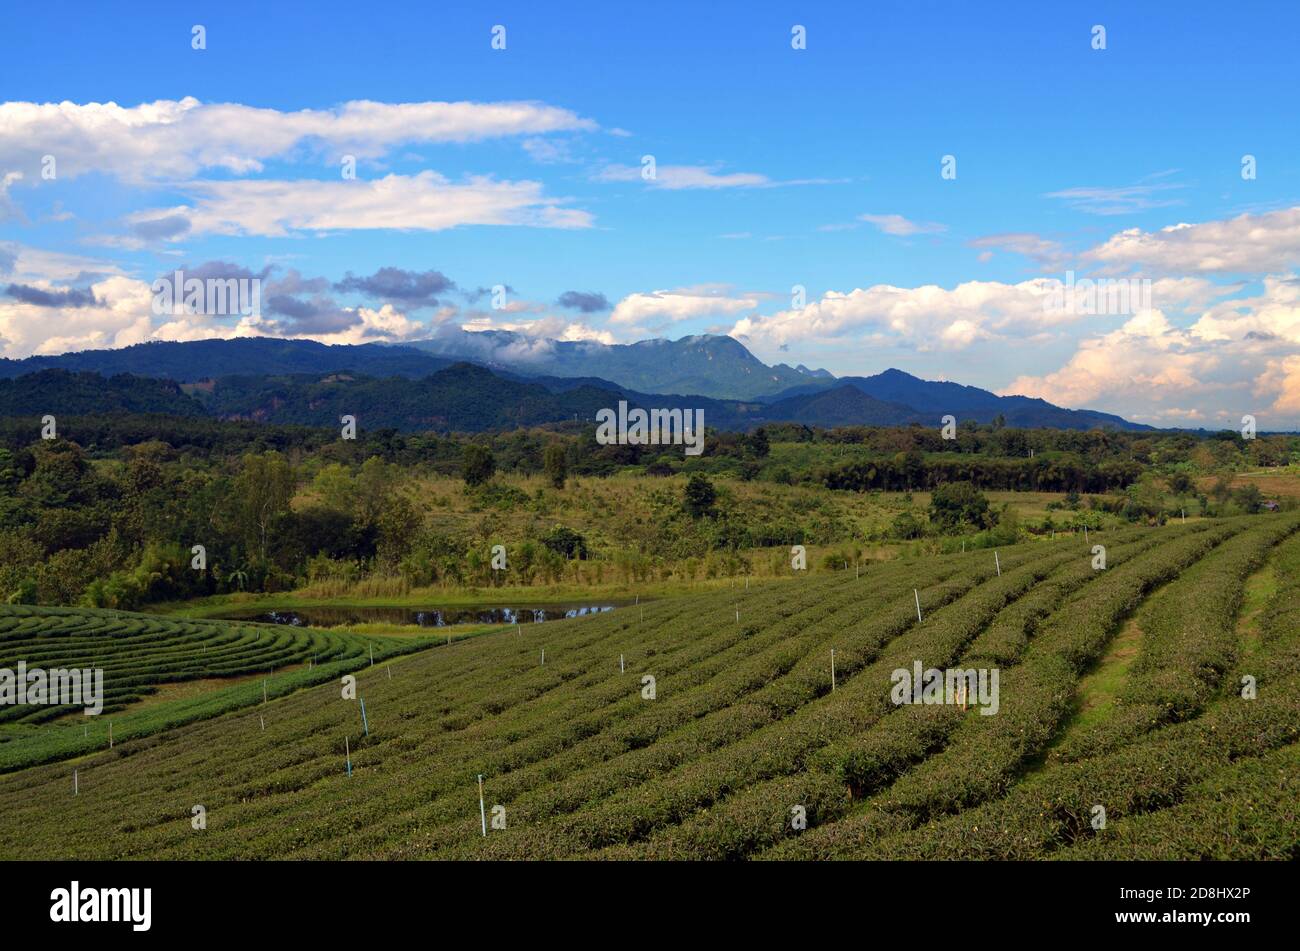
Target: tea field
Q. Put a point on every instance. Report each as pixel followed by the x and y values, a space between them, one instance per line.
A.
pixel 711 726
pixel 143 658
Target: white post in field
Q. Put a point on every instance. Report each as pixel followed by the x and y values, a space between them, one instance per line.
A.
pixel 482 809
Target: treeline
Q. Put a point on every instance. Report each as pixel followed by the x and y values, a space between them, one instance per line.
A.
pixel 914 471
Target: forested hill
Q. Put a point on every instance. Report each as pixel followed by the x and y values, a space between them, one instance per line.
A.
pixel 56 392
pixel 460 398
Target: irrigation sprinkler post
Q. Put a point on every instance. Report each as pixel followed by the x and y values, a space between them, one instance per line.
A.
pixel 620 664
pixel 543 656
pixel 998 563
pixel 1184 511
pixel 262 720
pixel 390 671
pixel 76 788
pixel 347 748
pixel 372 655
pixel 917 595
pixel 110 734
pixel 264 690
pixel 364 722
pixel 832 669
pixel 482 809
pixel 1085 534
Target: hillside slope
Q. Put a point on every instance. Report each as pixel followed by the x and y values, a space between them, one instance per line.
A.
pixel 738 730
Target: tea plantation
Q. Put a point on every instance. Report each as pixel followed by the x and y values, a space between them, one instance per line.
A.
pixel 139 654
pixel 709 727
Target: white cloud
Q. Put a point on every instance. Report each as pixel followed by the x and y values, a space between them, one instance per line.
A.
pixel 118 318
pixel 1154 371
pixel 678 305
pixel 1274 314
pixel 1266 243
pixel 927 318
pixel 175 139
pixel 683 176
pixel 423 202
pixel 7 207
pixel 902 227
pixel 1044 251
pixel 543 328
pixel 1118 201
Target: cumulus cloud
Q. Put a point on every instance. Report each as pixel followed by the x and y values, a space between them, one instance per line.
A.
pixel 1272 315
pixel 176 139
pixel 118 316
pixel 927 318
pixel 1266 243
pixel 933 318
pixel 676 305
pixel 1144 366
pixel 1238 357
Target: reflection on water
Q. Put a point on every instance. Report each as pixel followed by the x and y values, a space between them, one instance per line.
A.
pixel 425 617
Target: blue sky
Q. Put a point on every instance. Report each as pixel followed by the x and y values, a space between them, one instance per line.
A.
pixel 775 168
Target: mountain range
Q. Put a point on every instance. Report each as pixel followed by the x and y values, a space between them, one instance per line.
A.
pixel 514 381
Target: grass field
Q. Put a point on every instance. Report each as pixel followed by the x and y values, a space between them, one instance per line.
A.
pixel 1119 688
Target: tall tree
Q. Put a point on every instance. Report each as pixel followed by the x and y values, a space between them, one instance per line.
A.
pixel 263 490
